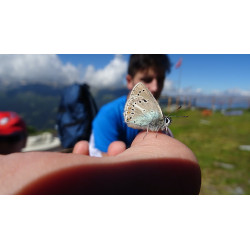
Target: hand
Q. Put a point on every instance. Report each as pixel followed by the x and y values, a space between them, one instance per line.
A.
pixel 152 165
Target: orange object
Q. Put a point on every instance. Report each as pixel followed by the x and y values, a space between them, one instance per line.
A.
pixel 206 112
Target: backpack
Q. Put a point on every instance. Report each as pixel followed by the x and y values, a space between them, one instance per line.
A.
pixel 76 112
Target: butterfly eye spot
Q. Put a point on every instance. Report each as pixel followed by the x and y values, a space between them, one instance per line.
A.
pixel 145 100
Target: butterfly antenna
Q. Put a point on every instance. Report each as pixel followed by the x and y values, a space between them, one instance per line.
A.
pixel 178 108
pixel 146 133
pixel 177 115
pixel 175 110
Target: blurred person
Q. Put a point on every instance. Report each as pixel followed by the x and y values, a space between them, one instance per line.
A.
pixel 144 168
pixel 109 125
pixel 13 133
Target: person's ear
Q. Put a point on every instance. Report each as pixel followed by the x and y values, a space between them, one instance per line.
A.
pixel 130 83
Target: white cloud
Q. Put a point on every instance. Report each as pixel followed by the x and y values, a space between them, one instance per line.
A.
pixel 235 92
pixel 198 91
pixel 111 75
pixel 170 89
pixel 168 86
pixel 49 69
pixel 36 68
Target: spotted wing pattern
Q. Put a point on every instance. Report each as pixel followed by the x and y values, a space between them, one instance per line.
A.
pixel 142 111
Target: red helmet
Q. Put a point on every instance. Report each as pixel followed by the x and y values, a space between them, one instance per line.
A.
pixel 11 123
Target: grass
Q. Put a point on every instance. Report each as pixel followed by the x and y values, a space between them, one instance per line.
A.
pixel 215 141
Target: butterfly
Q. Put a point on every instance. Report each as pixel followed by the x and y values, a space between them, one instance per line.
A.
pixel 142 111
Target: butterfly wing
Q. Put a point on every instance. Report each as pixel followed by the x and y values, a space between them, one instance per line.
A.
pixel 142 111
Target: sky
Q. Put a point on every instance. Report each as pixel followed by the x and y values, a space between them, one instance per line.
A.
pixel 203 74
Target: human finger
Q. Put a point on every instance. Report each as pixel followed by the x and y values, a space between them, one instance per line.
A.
pixel 116 148
pixel 158 145
pixel 81 147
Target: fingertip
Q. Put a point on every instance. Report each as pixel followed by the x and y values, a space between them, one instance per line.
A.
pixel 164 145
pixel 81 147
pixel 116 148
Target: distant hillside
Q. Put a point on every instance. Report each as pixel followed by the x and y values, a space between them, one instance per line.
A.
pixel 38 103
pixel 38 88
pixel 103 96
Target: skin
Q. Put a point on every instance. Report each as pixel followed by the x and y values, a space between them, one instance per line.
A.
pixel 155 85
pixel 152 165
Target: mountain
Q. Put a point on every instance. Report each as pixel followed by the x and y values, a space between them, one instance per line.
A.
pixel 38 103
pixel 103 96
pixel 40 88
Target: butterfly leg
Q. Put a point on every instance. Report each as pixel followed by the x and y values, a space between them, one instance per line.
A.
pixel 146 133
pixel 156 134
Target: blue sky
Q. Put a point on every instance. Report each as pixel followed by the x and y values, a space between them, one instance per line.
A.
pixel 220 74
pixel 207 72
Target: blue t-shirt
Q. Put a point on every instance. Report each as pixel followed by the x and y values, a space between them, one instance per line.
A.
pixel 109 125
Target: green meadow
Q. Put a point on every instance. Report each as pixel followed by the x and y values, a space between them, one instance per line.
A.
pixel 215 140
